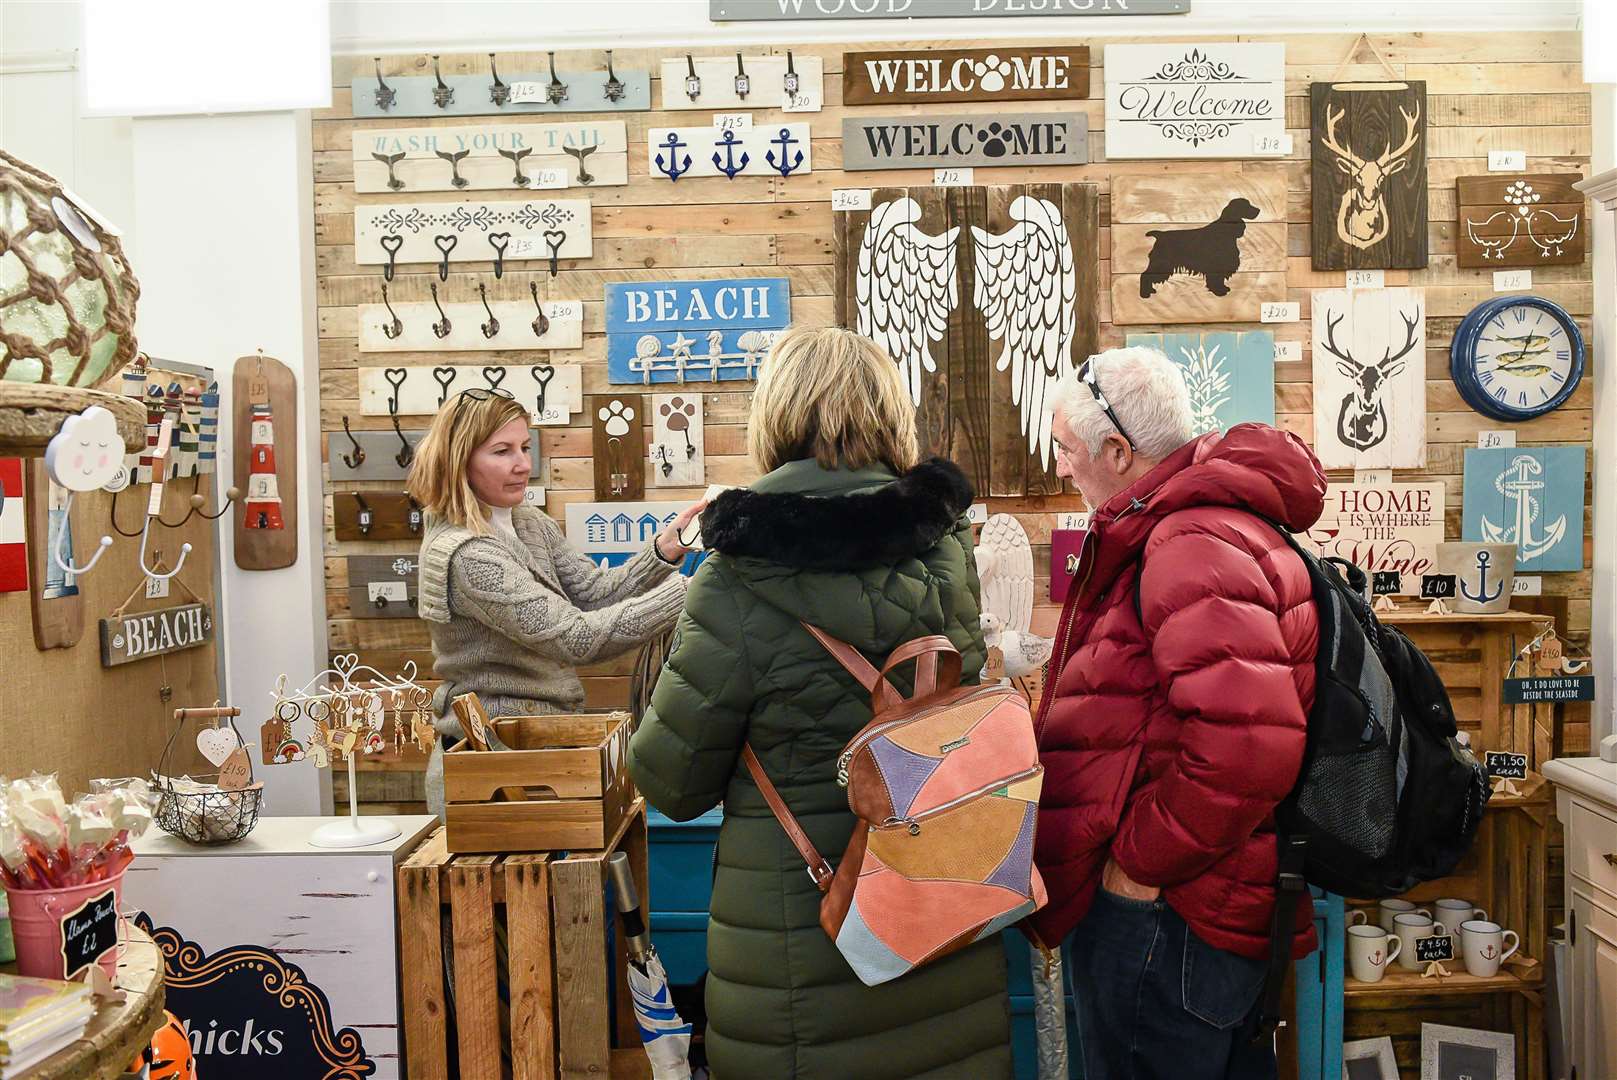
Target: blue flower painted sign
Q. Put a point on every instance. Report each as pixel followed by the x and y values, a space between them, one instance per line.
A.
pixel 692 331
pixel 1531 497
pixel 1231 376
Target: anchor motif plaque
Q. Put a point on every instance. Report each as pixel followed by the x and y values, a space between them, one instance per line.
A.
pixel 1531 497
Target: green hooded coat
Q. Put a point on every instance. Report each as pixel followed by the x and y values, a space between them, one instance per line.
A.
pixel 875 561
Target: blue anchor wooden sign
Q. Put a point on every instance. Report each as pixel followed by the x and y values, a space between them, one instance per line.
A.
pixel 1531 497
pixel 783 149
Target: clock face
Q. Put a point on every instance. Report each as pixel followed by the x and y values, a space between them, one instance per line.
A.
pixel 1517 357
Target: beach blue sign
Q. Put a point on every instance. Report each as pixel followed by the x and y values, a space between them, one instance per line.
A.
pixel 692 331
pixel 1231 376
pixel 1531 497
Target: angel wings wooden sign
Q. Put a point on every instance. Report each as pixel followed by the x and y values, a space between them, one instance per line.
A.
pixel 985 298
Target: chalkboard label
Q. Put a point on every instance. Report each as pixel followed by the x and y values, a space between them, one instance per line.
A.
pixel 1437 586
pixel 1550 688
pixel 1437 947
pixel 89 932
pixel 1508 765
pixel 1387 583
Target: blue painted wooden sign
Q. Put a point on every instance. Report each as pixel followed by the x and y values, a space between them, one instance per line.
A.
pixel 1531 497
pixel 1231 376
pixel 692 331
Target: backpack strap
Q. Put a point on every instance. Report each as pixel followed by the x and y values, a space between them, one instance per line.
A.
pixel 930 672
pixel 819 871
pixel 1289 884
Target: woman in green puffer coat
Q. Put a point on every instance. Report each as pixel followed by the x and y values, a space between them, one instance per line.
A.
pixel 846 532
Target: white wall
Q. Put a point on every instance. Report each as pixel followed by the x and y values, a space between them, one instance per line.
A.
pixel 1603 368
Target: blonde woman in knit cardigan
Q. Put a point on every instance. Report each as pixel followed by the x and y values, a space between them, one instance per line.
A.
pixel 513 608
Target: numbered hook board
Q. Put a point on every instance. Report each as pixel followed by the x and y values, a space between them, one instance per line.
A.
pixel 383 586
pixel 719 82
pixel 491 157
pixel 376 515
pixel 526 92
pixel 381 455
pixel 770 150
pixel 551 393
pixel 471 326
pixel 461 232
pixel 677 444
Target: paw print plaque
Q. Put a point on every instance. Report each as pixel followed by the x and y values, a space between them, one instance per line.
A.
pixel 618 446
pixel 676 441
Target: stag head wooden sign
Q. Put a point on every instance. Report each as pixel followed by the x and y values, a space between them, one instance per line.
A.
pixel 1369 176
pixel 1370 378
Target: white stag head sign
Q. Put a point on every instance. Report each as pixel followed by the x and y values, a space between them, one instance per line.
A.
pixel 1370 378
pixel 1361 214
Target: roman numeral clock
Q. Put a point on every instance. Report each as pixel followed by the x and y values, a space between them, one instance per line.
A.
pixel 1516 357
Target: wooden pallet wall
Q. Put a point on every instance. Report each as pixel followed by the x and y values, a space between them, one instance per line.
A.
pixel 1504 91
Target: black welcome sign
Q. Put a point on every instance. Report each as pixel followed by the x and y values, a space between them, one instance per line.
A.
pixel 1505 764
pixel 89 931
pixel 1431 949
pixel 254 1016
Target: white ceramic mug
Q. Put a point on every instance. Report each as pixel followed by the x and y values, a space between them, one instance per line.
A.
pixel 1484 945
pixel 1391 909
pixel 1370 949
pixel 1453 912
pixel 1410 927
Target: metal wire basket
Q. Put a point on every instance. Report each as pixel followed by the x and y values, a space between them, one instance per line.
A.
pixel 208 817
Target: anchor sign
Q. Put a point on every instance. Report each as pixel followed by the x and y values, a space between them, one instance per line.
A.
pixel 1517 483
pixel 785 142
pixel 1482 595
pixel 728 144
pixel 673 170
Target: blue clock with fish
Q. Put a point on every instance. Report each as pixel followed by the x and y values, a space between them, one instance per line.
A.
pixel 1516 357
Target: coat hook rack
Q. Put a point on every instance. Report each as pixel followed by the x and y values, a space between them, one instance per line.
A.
pixel 454 160
pixel 521 179
pixel 395 327
pixel 391 160
pixel 492 327
pixel 743 84
pixel 498 92
pixel 355 458
pixel 556 90
pixel 197 502
pixel 441 328
pixel 693 82
pixel 385 94
pixel 615 89
pixel 443 95
pixel 541 325
pixel 154 505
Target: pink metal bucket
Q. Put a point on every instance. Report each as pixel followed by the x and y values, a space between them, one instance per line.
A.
pixel 37 917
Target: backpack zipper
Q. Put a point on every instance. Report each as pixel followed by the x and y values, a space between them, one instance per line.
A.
pixel 859 741
pixel 914 823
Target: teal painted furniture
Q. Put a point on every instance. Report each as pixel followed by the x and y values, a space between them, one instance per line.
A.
pixel 1320 987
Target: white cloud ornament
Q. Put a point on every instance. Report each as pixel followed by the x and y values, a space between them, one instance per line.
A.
pixel 87 453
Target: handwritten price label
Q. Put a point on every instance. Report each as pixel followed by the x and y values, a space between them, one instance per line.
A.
pixel 564 309
pixel 802 103
pixel 390 591
pixel 1366 279
pixel 549 179
pixel 1530 585
pixel 156 588
pixel 1272 145
pixel 529 92
pixel 846 199
pixel 953 177
pixel 1512 280
pixel 1072 520
pixel 1507 160
pixel 732 121
pixel 1280 311
pixel 1493 440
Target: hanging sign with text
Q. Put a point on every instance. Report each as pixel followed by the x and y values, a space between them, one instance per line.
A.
pixel 1382 528
pixel 697 331
pixel 154 633
pixel 896 142
pixel 1217 100
pixel 1549 688
pixel 940 76
pixel 89 932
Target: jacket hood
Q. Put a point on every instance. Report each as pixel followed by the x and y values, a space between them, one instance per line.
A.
pixel 810 518
pixel 1251 467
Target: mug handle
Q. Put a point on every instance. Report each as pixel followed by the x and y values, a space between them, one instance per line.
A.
pixel 1395 945
pixel 1515 943
pixel 1359 914
pixel 1424 911
pixel 1481 913
pixel 1439 930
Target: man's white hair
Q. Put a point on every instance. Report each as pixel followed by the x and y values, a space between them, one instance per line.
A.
pixel 1144 388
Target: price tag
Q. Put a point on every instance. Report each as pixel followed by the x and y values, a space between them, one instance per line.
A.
pixel 1372 477
pixel 534 496
pixel 1386 583
pixel 1366 279
pixel 529 91
pixel 1501 763
pixel 1280 311
pixel 527 247
pixel 1507 160
pixel 846 199
pixel 1072 520
pixel 1272 145
pixel 1431 949
pixel 549 179
pixel 156 588
pixel 1288 351
pixel 732 121
pixel 1512 280
pixel 953 177
pixel 88 932
pixel 1527 585
pixel 977 513
pixel 801 102
pixel 1493 440
pixel 390 592
pixel 1437 586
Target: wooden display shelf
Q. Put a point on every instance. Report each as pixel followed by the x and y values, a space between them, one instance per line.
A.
pixel 1525 977
pixel 32 413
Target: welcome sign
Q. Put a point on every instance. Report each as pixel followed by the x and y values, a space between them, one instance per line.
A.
pixel 1194 101
pixel 949 75
pixel 959 141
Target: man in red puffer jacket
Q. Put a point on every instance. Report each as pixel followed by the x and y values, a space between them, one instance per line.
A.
pixel 1174 721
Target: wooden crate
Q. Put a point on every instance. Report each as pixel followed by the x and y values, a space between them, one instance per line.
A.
pixel 563 784
pixel 558 976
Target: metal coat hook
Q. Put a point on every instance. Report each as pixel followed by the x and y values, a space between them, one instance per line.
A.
pixel 791 83
pixel 542 374
pixel 395 377
pixel 581 152
pixel 355 458
pixel 615 89
pixel 491 327
pixel 785 142
pixel 367 516
pixel 390 160
pixel 499 241
pixel 674 169
pixel 185 551
pixel 541 326
pixel 554 239
pixel 391 243
pixel 446 244
pixel 743 83
pixel 406 452
pixel 61 542
pixel 195 510
pixel 165 436
pixel 454 160
pixel 385 94
pixel 443 376
pixel 693 82
pixel 396 327
pixel 443 95
pixel 521 179
pixel 415 519
pixel 498 92
pixel 729 166
pixel 494 376
pixel 556 90
pixel 441 328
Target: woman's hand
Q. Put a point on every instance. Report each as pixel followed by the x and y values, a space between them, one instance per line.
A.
pixel 1114 881
pixel 669 545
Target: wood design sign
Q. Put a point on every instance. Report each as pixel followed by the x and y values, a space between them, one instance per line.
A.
pixel 677 444
pixel 1382 528
pixel 743 82
pixel 1231 376
pixel 1531 497
pixel 1532 220
pixel 491 157
pixel 1369 175
pixel 770 150
pixel 693 331
pixel 1218 100
pixel 550 392
pixel 154 633
pixel 1370 378
pixel 940 76
pixel 458 232
pixel 475 326
pixel 617 446
pixel 898 142
pixel 985 297
pixel 1198 248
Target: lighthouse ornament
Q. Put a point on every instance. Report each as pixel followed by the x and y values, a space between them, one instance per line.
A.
pixel 263 510
pixel 264 423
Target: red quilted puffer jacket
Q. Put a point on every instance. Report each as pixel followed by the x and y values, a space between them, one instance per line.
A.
pixel 1168 745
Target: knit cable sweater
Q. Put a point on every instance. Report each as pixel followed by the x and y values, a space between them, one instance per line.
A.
pixel 512 614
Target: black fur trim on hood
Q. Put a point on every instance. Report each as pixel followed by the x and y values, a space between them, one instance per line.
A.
pixel 841 532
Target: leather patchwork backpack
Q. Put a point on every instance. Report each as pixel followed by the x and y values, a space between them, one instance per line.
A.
pixel 945 784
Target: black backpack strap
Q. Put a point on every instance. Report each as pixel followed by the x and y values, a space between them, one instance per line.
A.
pixel 1289 885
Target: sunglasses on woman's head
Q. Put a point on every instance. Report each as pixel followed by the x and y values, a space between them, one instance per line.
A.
pixel 1087 374
pixel 478 393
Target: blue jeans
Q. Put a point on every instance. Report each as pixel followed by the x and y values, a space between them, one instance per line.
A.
pixel 1156 1002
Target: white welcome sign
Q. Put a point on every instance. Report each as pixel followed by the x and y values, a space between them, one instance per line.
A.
pixel 1213 100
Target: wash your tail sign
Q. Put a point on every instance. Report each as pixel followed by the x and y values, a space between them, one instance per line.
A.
pixel 788 10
